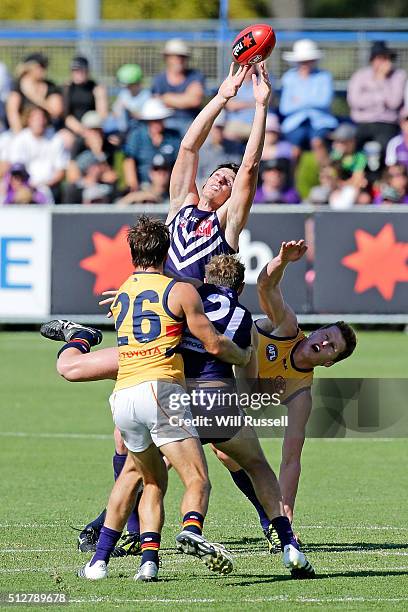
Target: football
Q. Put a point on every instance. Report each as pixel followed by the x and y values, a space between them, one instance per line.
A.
pixel 254 44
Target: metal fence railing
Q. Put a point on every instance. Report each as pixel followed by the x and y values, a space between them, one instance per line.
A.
pixel 345 43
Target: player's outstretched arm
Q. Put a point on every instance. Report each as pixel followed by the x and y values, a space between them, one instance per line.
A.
pixel 183 189
pixel 234 215
pixel 269 292
pixel 185 297
pixel 299 409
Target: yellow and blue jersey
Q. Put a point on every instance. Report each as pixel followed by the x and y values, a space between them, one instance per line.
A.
pixel 276 364
pixel 147 331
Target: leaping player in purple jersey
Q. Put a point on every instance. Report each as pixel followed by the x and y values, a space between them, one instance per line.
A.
pixel 209 224
pixel 200 227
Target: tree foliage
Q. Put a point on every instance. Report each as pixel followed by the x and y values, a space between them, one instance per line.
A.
pixel 196 9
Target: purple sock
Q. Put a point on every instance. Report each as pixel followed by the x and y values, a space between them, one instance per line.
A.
pixel 118 463
pixel 97 523
pixel 244 484
pixel 150 543
pixel 284 531
pixel 133 524
pixel 106 543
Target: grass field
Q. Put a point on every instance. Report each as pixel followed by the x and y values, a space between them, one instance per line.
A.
pixel 56 448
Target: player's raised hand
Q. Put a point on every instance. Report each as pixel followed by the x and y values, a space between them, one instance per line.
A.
pixel 262 85
pixel 292 251
pixel 229 87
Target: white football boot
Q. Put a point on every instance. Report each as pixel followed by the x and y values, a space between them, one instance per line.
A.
pixel 97 571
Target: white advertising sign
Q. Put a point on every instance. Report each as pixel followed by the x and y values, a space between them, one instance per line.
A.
pixel 25 251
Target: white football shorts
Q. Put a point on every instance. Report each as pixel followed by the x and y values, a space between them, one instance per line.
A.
pixel 152 411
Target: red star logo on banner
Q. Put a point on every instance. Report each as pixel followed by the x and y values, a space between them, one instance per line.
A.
pixel 380 261
pixel 111 262
pixel 247 41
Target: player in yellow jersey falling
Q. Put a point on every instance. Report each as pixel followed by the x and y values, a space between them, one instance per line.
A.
pixel 287 358
pixel 150 311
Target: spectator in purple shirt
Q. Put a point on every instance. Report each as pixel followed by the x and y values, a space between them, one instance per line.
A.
pixel 180 88
pixel 394 189
pixel 274 188
pixel 375 95
pixel 397 148
pixel 15 188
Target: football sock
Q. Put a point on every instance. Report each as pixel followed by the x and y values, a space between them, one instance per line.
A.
pixel 150 543
pixel 83 340
pixel 193 521
pixel 284 531
pixel 106 543
pixel 118 463
pixel 97 523
pixel 133 524
pixel 244 483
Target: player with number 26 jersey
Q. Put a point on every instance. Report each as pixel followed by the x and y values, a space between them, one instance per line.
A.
pixel 148 332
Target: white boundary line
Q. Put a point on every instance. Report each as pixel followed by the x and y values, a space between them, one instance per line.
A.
pixel 99 436
pixel 80 436
pixel 354 527
pixel 273 598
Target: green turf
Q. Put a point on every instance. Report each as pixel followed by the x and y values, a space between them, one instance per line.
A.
pixel 351 506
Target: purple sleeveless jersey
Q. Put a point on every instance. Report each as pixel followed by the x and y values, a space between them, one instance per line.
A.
pixel 230 318
pixel 196 236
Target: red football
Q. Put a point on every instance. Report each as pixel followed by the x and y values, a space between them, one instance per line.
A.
pixel 253 44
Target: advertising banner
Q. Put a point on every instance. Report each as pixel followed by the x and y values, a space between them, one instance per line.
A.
pixel 90 254
pixel 361 263
pixel 25 244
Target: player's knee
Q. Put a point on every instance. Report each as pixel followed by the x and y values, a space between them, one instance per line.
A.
pixel 257 466
pixel 68 371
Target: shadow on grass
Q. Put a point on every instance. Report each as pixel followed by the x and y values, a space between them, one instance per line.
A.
pixel 243 580
pixel 257 543
pixel 351 546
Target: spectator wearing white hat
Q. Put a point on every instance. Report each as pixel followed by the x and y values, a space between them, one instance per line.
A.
pixel 146 140
pixel 180 88
pixel 307 94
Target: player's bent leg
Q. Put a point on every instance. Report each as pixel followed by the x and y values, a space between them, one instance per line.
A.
pixel 225 459
pixel 244 484
pixel 99 365
pixel 187 458
pixel 151 510
pixel 123 494
pixel 75 363
pixel 244 449
pixel 119 506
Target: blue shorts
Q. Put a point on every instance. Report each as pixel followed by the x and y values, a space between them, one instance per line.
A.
pixel 303 135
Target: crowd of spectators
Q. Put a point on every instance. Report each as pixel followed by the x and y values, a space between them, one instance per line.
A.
pixel 73 143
